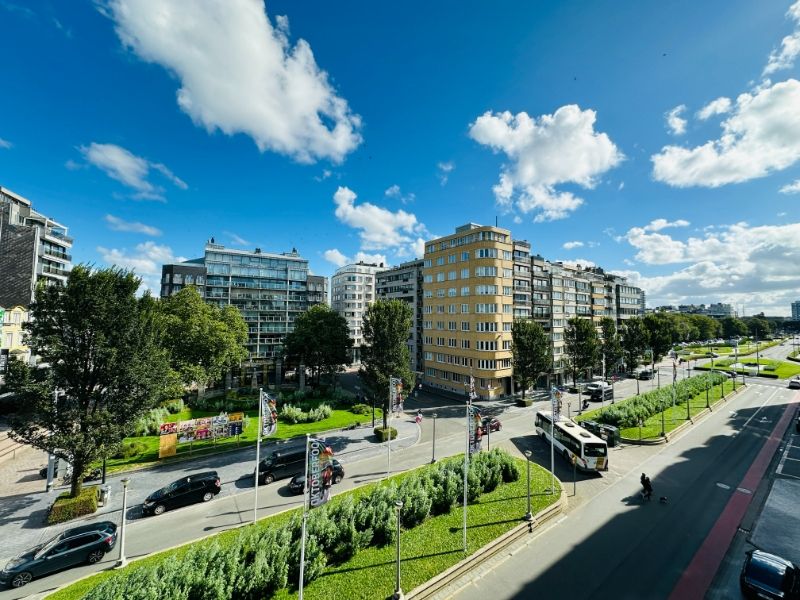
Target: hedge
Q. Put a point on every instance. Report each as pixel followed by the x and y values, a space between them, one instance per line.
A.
pixel 263 560
pixel 630 413
pixel 384 434
pixel 66 508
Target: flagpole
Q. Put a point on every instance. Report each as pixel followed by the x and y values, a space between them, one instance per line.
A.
pixel 258 452
pixel 554 414
pixel 306 491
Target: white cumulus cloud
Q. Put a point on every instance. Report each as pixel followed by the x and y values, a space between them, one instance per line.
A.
pixel 379 228
pixel 791 188
pixel 145 260
pixel 130 170
pixel 445 168
pixel 676 124
pixel 784 57
pixel 239 73
pixel 544 152
pixel 334 256
pixel 719 106
pixel 659 224
pixel 761 136
pixel 394 191
pixel 118 224
pixel 5 144
pixel 572 245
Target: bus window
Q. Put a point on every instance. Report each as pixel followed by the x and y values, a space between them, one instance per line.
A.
pixel 591 450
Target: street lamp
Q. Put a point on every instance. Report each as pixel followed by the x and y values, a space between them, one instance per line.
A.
pixel 398 592
pixel 122 560
pixel 528 515
pixel 433 451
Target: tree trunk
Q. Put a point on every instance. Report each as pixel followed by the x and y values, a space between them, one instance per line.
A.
pixel 78 468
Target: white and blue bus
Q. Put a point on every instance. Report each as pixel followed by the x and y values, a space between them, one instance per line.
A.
pixel 571 440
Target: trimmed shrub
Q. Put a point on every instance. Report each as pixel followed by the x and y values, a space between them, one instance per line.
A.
pixel 383 434
pixel 361 409
pixel 66 508
pixel 130 449
pixel 174 406
pixel 293 414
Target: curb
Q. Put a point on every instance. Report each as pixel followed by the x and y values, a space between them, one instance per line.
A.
pixel 432 586
pixel 680 428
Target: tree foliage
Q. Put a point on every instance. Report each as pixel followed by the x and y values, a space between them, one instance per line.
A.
pixel 634 342
pixel 733 327
pixel 610 346
pixel 385 354
pixel 100 344
pixel 581 345
pixel 203 341
pixel 320 341
pixel 530 352
pixel 660 334
pixel 759 326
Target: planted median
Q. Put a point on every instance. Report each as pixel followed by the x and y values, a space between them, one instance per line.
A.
pixel 351 540
pixel 640 417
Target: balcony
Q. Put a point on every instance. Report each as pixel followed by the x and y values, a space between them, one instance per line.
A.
pixel 48 270
pixel 50 253
pixel 59 235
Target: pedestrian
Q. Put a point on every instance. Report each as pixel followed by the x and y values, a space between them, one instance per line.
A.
pixel 642 479
pixel 419 416
pixel 648 488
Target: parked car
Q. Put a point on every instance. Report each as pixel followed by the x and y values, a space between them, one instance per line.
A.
pixel 296 484
pixel 280 465
pixel 492 424
pixel 794 383
pixel 600 394
pixel 645 374
pixel 201 487
pixel 74 546
pixel 765 575
pixel 727 374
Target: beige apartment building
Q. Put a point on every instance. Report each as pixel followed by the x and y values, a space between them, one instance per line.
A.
pixel 468 310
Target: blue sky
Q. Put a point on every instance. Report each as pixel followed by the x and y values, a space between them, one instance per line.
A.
pixel 660 140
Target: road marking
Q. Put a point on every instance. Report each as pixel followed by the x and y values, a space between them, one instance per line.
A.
pixel 789 446
pixel 746 423
pixel 723 486
pixel 743 490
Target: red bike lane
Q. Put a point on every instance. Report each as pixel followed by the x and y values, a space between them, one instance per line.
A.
pixel 698 576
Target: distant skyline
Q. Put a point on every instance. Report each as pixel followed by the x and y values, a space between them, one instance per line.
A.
pixel 660 141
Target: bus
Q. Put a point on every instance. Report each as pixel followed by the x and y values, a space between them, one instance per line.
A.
pixel 573 441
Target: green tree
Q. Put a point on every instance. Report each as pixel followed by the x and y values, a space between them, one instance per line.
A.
pixel 759 326
pixel 581 345
pixel 660 334
pixel 732 327
pixel 634 342
pixel 685 327
pixel 610 347
pixel 320 341
pixel 204 341
pixel 708 328
pixel 100 342
pixel 385 354
pixel 530 352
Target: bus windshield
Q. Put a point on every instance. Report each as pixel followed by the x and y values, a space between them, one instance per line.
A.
pixel 594 450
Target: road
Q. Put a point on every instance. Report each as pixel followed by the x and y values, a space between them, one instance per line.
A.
pixel 616 546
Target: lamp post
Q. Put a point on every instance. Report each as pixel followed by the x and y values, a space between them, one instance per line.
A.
pixel 433 450
pixel 528 515
pixel 122 560
pixel 398 592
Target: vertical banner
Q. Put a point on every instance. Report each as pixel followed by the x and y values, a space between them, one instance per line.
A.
pixel 269 415
pixel 320 473
pixel 474 428
pixel 396 394
pixel 555 403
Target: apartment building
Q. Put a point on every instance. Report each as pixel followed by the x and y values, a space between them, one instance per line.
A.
pixel 33 249
pixel 404 282
pixel 12 336
pixel 269 290
pixel 796 310
pixel 317 290
pixel 352 291
pixel 468 310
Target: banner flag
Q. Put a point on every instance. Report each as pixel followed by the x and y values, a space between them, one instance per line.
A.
pixel 475 429
pixel 320 473
pixel 555 402
pixel 396 394
pixel 269 415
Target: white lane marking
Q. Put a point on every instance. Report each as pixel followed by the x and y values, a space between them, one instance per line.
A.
pixel 743 490
pixel 746 423
pixel 789 446
pixel 723 485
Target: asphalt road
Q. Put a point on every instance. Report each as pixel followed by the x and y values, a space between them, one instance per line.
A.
pixel 619 547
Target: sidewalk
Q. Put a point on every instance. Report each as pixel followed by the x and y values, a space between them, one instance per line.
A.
pixel 25 503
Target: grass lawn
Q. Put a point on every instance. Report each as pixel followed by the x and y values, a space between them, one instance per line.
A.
pixel 338 420
pixel 673 417
pixel 783 369
pixel 426 550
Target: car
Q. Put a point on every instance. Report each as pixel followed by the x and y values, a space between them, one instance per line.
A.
pixel 201 487
pixel 645 374
pixel 296 484
pixel 280 465
pixel 72 547
pixel 600 394
pixel 794 383
pixel 766 575
pixel 492 424
pixel 727 374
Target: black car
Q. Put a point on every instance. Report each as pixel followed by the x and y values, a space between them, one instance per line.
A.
pixel 768 576
pixel 280 465
pixel 187 490
pixel 75 546
pixel 645 374
pixel 296 484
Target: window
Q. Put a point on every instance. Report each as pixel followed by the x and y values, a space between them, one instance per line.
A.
pixel 440 293
pixel 427 309
pixel 506 326
pixel 464 325
pixel 486 253
pixel 485 271
pixel 429 356
pixel 506 290
pixel 508 308
pixel 452 325
pixel 486 308
pixel 506 344
pixel 440 309
pixel 464 256
pixel 452 275
pixel 452 292
pixel 439 277
pixel 427 324
pixel 9 340
pixel 428 279
pixel 451 309
pixel 465 309
pixel 428 293
pixel 465 291
pixel 507 255
pixel 486 345
pixel 427 263
pixel 486 290
pixel 440 261
pixel 508 273
pixel 439 324
pixel 451 259
pixel 464 273
pixel 452 343
pixel 486 326
pixel 465 344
